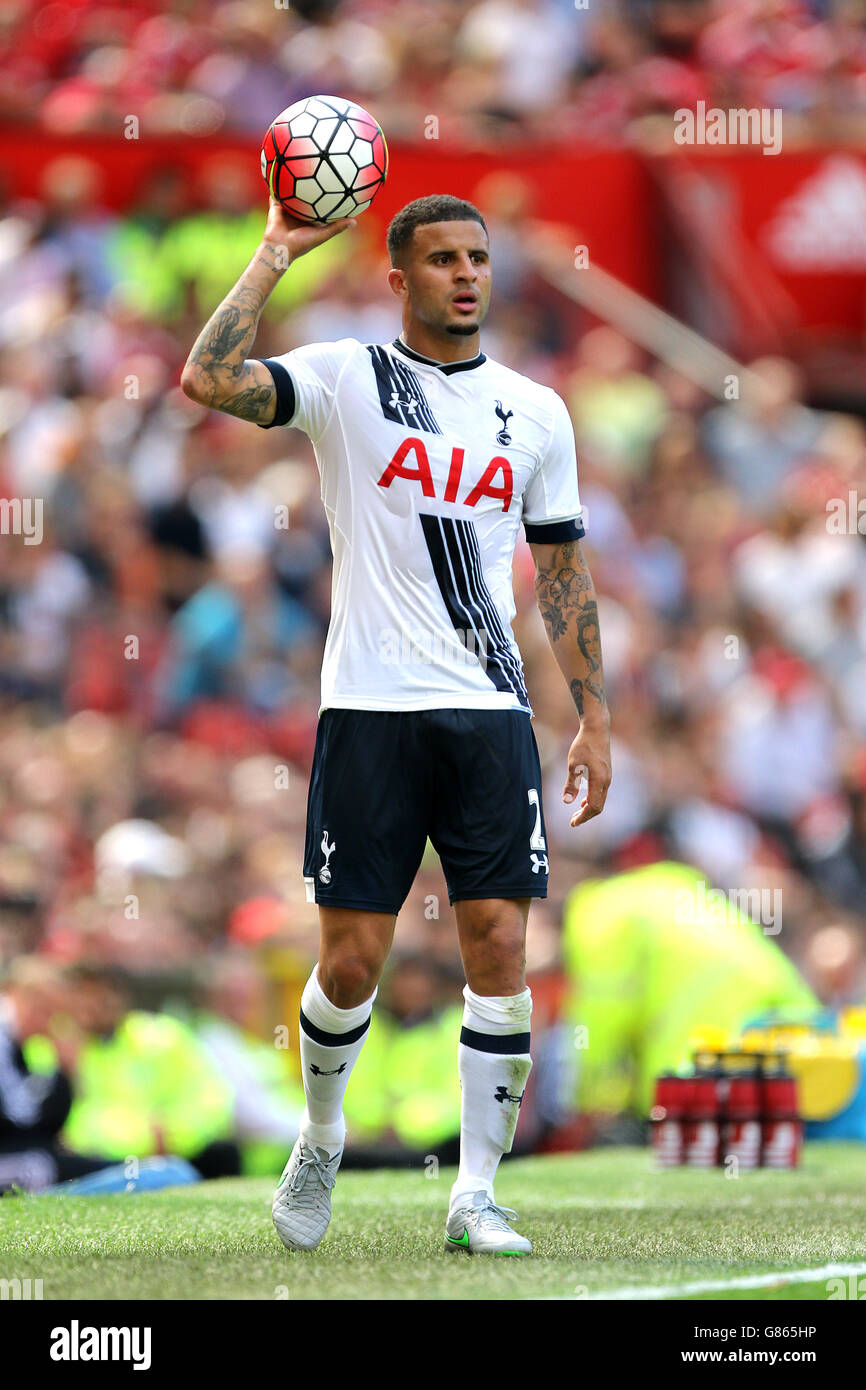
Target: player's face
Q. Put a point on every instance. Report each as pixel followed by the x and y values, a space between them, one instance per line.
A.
pixel 446 278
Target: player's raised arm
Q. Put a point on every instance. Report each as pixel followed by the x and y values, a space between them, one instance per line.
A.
pixel 567 601
pixel 218 372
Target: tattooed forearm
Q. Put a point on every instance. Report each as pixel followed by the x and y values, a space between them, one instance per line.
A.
pixel 231 327
pixel 560 589
pixel 217 372
pixel 566 599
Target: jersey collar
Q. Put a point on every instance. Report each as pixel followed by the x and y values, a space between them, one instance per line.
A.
pixel 447 368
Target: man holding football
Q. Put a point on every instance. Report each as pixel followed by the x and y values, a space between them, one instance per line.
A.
pixel 431 456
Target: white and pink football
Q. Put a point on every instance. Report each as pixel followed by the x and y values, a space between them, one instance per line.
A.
pixel 324 158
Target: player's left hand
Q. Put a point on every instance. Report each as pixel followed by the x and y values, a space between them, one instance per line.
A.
pixel 589 757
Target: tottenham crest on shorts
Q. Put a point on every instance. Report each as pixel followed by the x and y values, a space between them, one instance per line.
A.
pixel 327 850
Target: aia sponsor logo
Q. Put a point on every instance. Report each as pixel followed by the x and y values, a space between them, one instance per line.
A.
pixel 412 464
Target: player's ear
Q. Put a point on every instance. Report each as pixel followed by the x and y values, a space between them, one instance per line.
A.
pixel 397 281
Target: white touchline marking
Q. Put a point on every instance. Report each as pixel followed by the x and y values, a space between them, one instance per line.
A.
pixel 743 1281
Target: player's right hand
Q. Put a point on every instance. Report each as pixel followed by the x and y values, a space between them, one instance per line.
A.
pixel 589 757
pixel 300 237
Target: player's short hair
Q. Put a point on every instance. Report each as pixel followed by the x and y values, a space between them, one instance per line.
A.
pixel 436 207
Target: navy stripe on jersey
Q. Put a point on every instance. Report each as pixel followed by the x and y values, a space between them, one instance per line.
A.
pixel 401 394
pixel 468 538
pixel 456 557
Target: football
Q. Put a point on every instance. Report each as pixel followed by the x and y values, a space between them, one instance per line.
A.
pixel 324 158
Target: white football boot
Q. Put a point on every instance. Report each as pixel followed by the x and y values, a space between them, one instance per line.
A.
pixel 476 1224
pixel 302 1203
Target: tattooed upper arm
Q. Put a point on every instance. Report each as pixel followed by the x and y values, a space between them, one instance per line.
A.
pixel 254 397
pixel 246 391
pixel 219 374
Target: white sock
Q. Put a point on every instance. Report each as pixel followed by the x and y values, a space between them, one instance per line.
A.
pixel 494 1063
pixel 331 1042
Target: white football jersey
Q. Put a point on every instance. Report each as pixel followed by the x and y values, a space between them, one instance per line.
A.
pixel 428 469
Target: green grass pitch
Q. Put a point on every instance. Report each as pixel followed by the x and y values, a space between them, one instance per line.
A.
pixel 601 1222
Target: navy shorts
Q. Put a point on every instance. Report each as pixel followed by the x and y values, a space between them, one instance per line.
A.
pixel 383 781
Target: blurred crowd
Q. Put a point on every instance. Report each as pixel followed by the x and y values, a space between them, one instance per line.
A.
pixel 162 625
pixel 609 69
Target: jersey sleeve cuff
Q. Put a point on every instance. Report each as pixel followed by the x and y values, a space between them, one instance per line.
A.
pixel 285 388
pixel 552 532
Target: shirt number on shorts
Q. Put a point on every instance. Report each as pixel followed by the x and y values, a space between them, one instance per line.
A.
pixel 536 839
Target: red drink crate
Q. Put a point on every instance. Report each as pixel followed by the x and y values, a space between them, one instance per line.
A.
pixel 741 1121
pixel 702 1126
pixel 667 1119
pixel 781 1125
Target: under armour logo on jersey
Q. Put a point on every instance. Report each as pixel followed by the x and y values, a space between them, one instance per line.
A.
pixel 317 1071
pixel 503 437
pixel 539 863
pixel 401 394
pixel 327 850
pixel 502 1094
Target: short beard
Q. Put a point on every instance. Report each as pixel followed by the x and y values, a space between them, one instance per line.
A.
pixel 463 330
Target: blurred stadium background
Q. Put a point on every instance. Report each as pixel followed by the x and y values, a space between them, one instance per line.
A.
pixel 160 647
